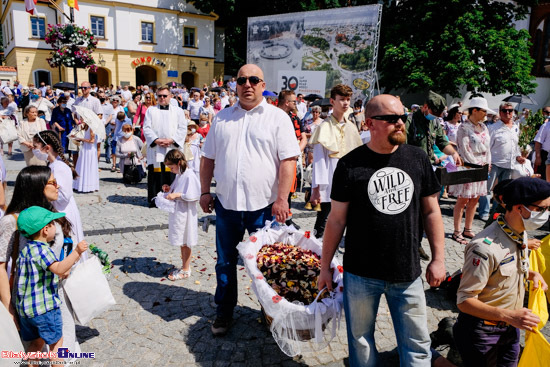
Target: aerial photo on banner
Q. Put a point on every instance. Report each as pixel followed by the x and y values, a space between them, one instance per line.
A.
pixel 310 52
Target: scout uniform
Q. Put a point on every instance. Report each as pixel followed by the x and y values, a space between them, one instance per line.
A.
pixel 495 269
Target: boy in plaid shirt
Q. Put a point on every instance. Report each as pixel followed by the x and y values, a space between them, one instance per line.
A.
pixel 37 301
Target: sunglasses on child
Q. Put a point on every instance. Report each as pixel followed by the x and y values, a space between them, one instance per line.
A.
pixel 392 119
pixel 253 80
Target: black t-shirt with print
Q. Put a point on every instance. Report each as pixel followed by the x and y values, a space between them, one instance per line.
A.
pixel 384 214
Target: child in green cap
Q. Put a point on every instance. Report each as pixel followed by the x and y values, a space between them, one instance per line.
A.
pixel 37 300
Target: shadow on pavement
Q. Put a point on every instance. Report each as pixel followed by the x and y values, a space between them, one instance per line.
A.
pixel 132 200
pixel 147 265
pixel 247 341
pixel 440 299
pixel 84 333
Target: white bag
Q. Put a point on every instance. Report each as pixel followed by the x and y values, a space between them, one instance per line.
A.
pixel 290 320
pixel 9 337
pixel 88 290
pixel 8 132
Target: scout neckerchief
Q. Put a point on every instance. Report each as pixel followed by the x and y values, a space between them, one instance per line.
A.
pixel 519 240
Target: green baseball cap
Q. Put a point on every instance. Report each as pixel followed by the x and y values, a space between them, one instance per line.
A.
pixel 33 219
pixel 436 103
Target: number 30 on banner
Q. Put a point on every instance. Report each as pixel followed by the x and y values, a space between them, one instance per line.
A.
pixel 289 82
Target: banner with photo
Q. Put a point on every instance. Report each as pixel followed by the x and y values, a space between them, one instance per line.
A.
pixel 310 52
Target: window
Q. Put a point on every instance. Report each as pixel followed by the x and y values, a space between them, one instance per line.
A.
pixel 189 36
pixel 146 32
pixel 38 27
pixel 98 26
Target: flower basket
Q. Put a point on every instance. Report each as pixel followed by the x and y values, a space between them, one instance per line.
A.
pixel 72 46
pixel 293 322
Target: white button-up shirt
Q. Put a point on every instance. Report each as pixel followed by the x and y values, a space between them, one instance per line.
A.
pixel 504 144
pixel 90 102
pixel 543 136
pixel 247 148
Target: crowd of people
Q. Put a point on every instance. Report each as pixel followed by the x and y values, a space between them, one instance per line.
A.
pixel 371 163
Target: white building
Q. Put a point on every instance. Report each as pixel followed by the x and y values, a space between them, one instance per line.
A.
pixel 139 41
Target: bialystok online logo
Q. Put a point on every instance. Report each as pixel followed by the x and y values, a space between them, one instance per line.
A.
pixel 62 353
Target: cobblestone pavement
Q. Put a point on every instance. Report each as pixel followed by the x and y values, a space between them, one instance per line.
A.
pixel 157 322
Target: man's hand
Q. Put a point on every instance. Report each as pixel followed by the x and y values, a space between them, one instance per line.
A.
pixel 533 243
pixel 325 278
pixel 435 273
pixel 536 278
pixel 207 203
pixel 280 210
pixel 520 159
pixel 522 319
pixel 315 196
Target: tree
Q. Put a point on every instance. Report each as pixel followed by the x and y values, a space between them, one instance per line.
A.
pixel 443 45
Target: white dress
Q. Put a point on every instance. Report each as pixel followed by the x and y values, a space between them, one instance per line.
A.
pixel 86 166
pixel 183 223
pixel 66 202
pixel 3 179
pixel 195 146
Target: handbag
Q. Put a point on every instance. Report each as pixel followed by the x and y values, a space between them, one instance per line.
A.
pixel 132 174
pixel 8 132
pixel 88 290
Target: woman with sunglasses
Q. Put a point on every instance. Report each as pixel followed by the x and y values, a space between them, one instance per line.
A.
pixel 34 186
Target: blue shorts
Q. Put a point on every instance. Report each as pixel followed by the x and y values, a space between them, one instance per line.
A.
pixel 113 146
pixel 47 326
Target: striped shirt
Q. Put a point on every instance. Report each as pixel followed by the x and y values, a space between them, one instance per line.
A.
pixel 36 285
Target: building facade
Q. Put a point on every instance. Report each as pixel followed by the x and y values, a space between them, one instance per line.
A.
pixel 140 41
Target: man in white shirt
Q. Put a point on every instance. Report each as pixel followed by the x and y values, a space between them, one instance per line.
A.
pixel 126 94
pixel 112 127
pixel 542 147
pixel 224 98
pixel 301 106
pixel 164 128
pixel 91 102
pixel 194 107
pixel 504 153
pixel 250 150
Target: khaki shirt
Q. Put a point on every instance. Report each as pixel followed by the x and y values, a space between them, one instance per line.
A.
pixel 492 270
pixel 424 134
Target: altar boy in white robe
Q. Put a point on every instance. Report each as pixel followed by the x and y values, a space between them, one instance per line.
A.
pixel 333 139
pixel 164 128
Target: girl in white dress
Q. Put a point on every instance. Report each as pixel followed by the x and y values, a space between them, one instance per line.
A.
pixel 51 150
pixel 183 222
pixel 86 166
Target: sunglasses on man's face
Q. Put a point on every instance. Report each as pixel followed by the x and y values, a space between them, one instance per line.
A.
pixel 252 79
pixel 507 110
pixel 392 119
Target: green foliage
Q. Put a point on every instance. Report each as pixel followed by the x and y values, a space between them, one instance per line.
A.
pixel 333 76
pixel 360 60
pixel 529 128
pixel 318 42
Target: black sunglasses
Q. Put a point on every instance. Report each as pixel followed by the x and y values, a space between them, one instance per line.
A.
pixel 507 110
pixel 253 80
pixel 392 119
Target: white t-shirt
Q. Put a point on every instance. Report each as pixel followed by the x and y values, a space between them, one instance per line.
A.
pixel 248 147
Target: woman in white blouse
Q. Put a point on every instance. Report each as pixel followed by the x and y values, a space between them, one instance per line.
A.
pixel 26 131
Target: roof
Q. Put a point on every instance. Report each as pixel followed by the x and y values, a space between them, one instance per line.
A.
pixel 8 68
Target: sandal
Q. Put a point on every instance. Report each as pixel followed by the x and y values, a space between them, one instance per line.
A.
pixel 457 236
pixel 469 231
pixel 113 169
pixel 178 274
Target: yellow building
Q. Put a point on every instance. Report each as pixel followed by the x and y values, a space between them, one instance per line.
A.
pixel 140 41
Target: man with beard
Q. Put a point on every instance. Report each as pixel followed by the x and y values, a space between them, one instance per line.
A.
pixel 390 186
pixel 331 140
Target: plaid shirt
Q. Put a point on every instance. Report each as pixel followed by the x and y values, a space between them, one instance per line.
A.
pixel 36 285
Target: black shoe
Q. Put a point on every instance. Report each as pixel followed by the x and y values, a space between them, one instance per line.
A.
pixel 290 222
pixel 220 327
pixel 152 204
pixel 423 255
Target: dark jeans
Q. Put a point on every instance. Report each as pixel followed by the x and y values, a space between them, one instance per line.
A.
pixel 485 345
pixel 321 220
pixel 230 227
pixel 155 180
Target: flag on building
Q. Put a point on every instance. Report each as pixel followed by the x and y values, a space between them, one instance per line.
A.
pixel 73 4
pixel 30 6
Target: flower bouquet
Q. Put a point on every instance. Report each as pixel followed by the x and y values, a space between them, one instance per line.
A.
pixel 284 265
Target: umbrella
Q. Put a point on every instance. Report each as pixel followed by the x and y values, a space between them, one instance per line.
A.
pixel 154 84
pixel 268 93
pixel 520 99
pixel 64 85
pixel 322 102
pixel 92 120
pixel 216 89
pixel 195 89
pixel 313 97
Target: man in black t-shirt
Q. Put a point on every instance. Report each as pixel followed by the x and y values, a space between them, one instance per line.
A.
pixel 380 192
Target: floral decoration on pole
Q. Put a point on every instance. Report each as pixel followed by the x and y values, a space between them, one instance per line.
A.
pixel 72 46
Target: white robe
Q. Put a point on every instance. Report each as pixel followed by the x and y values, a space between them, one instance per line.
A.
pixel 323 170
pixel 183 223
pixel 160 124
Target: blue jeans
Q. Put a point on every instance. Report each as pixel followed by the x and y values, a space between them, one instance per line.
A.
pixel 497 174
pixel 407 306
pixel 230 227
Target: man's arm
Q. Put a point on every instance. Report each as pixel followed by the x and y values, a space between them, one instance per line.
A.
pixel 449 150
pixel 287 170
pixel 303 141
pixel 538 148
pixel 334 230
pixel 433 225
pixel 206 173
pixel 523 318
